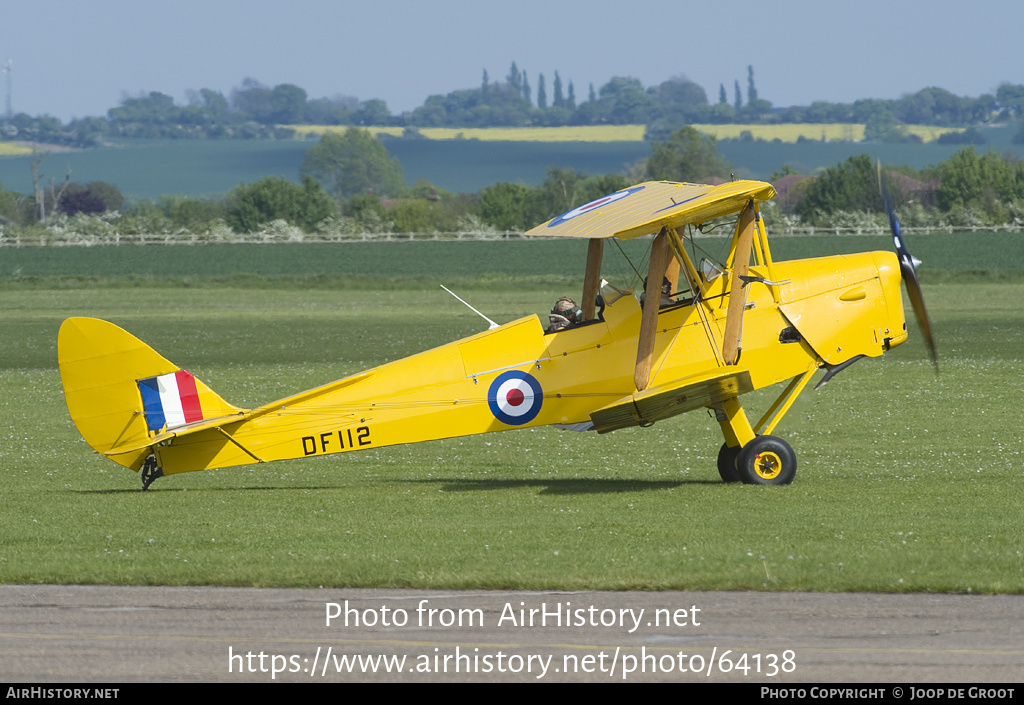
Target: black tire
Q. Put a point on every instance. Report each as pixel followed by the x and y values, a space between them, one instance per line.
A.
pixel 727 463
pixel 766 460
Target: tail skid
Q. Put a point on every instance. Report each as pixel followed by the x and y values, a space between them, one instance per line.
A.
pixel 124 397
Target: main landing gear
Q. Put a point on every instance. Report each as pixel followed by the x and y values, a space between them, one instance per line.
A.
pixel 766 460
pixel 752 459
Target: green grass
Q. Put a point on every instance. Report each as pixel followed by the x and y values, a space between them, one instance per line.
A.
pixel 906 481
pixel 539 265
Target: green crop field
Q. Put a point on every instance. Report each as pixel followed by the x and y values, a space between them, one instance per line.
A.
pixel 477 263
pixel 204 168
pixel 907 480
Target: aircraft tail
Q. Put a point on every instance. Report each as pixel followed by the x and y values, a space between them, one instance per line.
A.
pixel 124 396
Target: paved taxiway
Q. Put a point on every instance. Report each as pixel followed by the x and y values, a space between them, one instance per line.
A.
pixel 127 634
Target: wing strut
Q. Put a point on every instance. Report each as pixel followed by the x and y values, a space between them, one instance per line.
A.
pixel 652 297
pixel 737 288
pixel 592 279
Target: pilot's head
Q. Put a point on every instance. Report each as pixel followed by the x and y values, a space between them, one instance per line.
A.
pixel 564 313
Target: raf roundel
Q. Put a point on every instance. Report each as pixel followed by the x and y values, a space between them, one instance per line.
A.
pixel 587 207
pixel 515 398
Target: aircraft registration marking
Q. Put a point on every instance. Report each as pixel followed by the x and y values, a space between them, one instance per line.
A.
pixel 333 442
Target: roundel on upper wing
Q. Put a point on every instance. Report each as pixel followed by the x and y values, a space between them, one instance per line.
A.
pixel 515 397
pixel 587 207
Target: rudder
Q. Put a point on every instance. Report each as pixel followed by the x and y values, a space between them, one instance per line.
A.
pixel 120 392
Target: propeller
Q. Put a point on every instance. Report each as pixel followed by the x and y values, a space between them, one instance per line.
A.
pixel 908 269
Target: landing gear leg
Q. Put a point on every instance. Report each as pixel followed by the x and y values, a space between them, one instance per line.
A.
pixel 749 458
pixel 737 431
pixel 150 472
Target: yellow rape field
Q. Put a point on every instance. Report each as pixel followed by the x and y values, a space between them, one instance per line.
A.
pixel 13 149
pixel 832 132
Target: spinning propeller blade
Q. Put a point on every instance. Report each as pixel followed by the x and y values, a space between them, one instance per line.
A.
pixel 908 269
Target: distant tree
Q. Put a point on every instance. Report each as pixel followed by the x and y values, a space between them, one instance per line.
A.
pixel 251 206
pixel 331 111
pixel 681 101
pixel 485 85
pixel 983 108
pixel 561 191
pixel 515 78
pixel 738 100
pixel 11 211
pixel 756 110
pixel 558 100
pixel 687 155
pixel 92 198
pixel 863 110
pixel 148 116
pixel 751 90
pixel 206 107
pixel 932 106
pixel 987 182
pixel 786 170
pixel 527 92
pixel 372 113
pixel 595 187
pixel 821 111
pixel 721 94
pixel 570 100
pixel 1010 98
pixel 288 104
pixel 592 96
pixel 353 163
pixel 849 186
pixel 542 94
pixel 883 126
pixel 503 105
pixel 507 206
pixel 192 214
pixel 624 101
pixel 254 100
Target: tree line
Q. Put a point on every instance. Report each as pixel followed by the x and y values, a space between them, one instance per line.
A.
pixel 254 110
pixel 350 184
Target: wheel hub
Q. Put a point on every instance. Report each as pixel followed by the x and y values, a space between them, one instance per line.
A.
pixel 767 465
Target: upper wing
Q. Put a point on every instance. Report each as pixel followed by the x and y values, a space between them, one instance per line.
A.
pixel 648 207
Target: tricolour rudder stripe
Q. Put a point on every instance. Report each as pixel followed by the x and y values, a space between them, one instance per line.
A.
pixel 111 385
pixel 151 404
pixel 171 400
pixel 188 393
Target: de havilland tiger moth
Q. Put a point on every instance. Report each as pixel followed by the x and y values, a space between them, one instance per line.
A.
pixel 724 329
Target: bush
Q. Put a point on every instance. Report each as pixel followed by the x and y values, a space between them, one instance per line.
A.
pixel 251 206
pixel 91 198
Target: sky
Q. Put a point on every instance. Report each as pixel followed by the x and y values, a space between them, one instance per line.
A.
pixel 75 59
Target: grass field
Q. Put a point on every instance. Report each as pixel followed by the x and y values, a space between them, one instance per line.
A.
pixel 907 481
pixel 475 264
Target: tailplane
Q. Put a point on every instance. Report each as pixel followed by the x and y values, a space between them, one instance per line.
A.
pixel 123 395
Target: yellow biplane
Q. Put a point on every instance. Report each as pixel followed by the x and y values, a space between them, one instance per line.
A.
pixel 724 330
